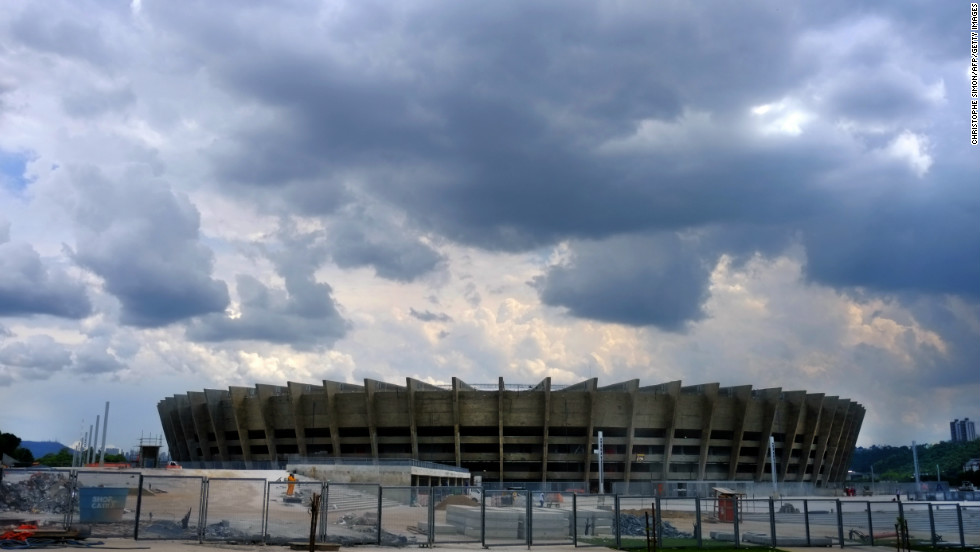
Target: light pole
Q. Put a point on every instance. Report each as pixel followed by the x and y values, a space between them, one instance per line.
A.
pixel 872 479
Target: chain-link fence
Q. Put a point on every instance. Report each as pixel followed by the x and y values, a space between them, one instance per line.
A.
pixel 174 506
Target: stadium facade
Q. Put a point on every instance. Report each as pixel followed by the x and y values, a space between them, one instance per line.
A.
pixel 514 433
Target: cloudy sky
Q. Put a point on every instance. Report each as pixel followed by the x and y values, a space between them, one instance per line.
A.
pixel 200 195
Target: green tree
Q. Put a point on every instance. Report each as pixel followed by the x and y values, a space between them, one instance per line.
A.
pixel 60 459
pixel 10 445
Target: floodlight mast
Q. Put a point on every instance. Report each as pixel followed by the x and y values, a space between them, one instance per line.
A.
pixel 915 461
pixel 772 462
pixel 105 429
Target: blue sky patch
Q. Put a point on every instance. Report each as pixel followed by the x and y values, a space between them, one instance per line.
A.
pixel 13 165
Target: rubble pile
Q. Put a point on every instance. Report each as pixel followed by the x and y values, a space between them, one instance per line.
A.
pixel 387 539
pixel 224 531
pixel 41 492
pixel 365 527
pixel 788 508
pixel 633 525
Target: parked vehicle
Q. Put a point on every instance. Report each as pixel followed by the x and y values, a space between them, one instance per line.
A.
pixel 966 486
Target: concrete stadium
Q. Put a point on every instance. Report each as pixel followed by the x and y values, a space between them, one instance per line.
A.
pixel 528 433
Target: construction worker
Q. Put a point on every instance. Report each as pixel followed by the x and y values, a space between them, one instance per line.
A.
pixel 292 484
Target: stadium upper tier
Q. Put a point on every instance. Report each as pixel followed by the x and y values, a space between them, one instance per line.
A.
pixel 517 433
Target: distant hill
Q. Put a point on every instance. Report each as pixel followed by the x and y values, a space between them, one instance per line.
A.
pixel 896 463
pixel 40 448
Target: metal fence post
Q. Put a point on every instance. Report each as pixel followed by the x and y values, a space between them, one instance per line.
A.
pixel 697 522
pixel 528 505
pixel 205 493
pixel 202 509
pixel 738 513
pixel 266 497
pixel 139 506
pixel 380 491
pixel 619 530
pixel 932 526
pixel 959 523
pixel 324 508
pixel 806 520
pixel 70 499
pixel 483 521
pixel 431 519
pixel 772 522
pixel 871 527
pixel 840 524
pixel 575 519
pixel 658 526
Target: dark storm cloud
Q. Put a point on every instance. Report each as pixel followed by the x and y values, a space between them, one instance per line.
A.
pixel 30 286
pixel 65 33
pixel 274 316
pixel 491 130
pixel 93 357
pixel 909 240
pixel 429 316
pixel 638 281
pixel 92 102
pixel 143 240
pixel 392 255
pixel 33 358
pixel 303 315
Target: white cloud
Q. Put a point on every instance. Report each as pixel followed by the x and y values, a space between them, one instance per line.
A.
pixel 912 149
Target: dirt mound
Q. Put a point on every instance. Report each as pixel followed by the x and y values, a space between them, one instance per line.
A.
pixel 460 500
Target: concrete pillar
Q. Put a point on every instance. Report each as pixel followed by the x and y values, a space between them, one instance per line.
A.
pixel 828 417
pixel 216 413
pixel 813 407
pixel 413 427
pixel 632 386
pixel 591 386
pixel 456 448
pixel 547 423
pixel 202 423
pixel 299 405
pixel 329 393
pixel 185 423
pixel 793 408
pixel 265 398
pixel 500 427
pixel 240 415
pixel 370 386
pixel 768 400
pixel 671 391
pixel 708 399
pixel 742 396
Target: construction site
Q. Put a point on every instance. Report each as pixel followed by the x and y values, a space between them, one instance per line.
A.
pixel 280 507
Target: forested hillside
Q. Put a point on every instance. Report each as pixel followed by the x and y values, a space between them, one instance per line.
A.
pixel 896 463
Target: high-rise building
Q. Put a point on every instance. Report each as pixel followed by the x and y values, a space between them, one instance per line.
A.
pixel 962 430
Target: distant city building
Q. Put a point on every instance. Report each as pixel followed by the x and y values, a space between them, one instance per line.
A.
pixel 962 430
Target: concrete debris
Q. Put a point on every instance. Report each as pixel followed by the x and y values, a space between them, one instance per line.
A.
pixel 634 525
pixel 363 529
pixel 223 531
pixel 41 492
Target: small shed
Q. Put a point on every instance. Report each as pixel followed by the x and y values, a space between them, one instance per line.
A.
pixel 727 503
